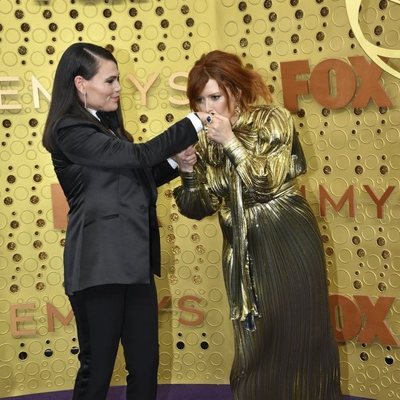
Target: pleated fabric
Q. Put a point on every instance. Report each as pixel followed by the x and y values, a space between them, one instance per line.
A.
pixel 292 354
pixel 277 286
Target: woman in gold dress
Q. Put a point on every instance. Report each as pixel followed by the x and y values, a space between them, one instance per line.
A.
pixel 273 260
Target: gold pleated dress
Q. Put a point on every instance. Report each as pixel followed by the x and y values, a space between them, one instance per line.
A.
pixel 273 259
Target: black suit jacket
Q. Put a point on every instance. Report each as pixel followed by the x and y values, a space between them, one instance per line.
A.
pixel 111 188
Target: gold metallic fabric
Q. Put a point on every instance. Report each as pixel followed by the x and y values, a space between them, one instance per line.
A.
pixel 273 259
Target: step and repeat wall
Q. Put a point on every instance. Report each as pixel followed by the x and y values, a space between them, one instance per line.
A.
pixel 333 63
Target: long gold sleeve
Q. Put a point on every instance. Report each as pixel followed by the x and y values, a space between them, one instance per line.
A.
pixel 193 198
pixel 261 151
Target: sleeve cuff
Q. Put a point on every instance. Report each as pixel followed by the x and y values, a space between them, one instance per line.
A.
pixel 189 180
pixel 235 151
pixel 172 163
pixel 195 121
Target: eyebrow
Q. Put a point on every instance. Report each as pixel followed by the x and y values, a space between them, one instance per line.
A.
pixel 112 77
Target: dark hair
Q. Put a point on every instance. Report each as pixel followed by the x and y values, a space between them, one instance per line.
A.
pixel 227 69
pixel 78 59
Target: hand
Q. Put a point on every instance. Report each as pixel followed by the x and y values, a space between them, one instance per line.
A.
pixel 186 159
pixel 204 117
pixel 219 129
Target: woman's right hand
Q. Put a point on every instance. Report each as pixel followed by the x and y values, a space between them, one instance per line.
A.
pixel 186 159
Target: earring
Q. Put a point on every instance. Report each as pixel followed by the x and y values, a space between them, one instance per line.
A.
pixel 84 99
pixel 237 109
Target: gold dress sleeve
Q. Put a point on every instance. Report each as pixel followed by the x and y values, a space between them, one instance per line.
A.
pixel 261 151
pixel 261 154
pixel 194 198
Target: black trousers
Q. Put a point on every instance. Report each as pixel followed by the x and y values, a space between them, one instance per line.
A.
pixel 105 316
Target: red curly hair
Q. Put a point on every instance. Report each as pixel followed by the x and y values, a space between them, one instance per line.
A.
pixel 227 69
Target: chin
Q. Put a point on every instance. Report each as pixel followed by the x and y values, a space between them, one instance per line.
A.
pixel 112 107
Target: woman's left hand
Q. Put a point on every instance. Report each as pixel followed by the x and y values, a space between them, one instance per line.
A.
pixel 219 129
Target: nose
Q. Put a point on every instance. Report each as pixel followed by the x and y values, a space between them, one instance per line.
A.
pixel 208 106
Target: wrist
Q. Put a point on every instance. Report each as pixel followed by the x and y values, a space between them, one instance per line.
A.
pixel 188 179
pixel 186 169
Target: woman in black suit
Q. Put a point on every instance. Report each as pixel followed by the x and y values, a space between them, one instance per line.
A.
pixel 112 244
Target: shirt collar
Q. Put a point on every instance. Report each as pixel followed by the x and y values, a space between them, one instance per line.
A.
pixel 93 112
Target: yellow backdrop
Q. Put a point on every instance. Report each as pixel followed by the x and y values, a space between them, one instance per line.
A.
pixel 326 60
